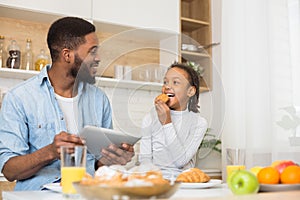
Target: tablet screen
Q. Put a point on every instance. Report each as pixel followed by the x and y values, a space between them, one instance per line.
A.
pixel 98 138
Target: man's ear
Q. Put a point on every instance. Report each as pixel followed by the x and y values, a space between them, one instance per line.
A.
pixel 191 91
pixel 66 55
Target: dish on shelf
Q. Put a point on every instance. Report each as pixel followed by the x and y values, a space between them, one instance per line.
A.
pixel 191 47
pixel 211 183
pixel 278 187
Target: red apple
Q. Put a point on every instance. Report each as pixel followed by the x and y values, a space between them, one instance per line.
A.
pixel 282 165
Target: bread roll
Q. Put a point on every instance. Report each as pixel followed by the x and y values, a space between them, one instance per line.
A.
pixel 193 175
pixel 162 97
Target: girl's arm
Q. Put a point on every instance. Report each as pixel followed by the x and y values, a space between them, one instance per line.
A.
pixel 178 147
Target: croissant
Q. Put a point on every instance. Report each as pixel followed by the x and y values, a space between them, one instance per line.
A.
pixel 150 176
pixel 193 175
pixel 163 97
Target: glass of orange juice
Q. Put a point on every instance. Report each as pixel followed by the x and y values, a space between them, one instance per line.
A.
pixel 73 167
pixel 235 159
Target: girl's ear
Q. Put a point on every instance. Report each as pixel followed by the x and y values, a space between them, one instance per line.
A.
pixel 191 91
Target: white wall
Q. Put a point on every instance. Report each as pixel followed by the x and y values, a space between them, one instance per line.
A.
pixel 129 107
pixel 211 102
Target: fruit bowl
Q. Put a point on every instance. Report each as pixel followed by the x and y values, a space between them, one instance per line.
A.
pixel 278 187
pixel 105 192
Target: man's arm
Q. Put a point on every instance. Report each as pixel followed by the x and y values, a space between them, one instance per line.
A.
pixel 25 166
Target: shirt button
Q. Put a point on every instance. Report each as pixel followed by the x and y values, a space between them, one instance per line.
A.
pixel 62 118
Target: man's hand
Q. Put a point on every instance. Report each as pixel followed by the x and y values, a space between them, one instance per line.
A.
pixel 113 155
pixel 64 139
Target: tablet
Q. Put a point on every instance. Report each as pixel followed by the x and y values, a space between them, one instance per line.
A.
pixel 98 138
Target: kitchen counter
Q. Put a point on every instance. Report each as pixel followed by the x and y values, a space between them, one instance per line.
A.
pixel 214 193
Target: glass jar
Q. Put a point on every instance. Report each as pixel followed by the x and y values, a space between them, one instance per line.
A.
pixel 2 52
pixel 42 60
pixel 14 59
pixel 27 61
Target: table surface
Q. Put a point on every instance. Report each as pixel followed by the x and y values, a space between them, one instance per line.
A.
pixel 214 193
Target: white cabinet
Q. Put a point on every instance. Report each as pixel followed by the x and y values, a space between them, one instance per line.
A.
pixel 156 14
pixel 154 41
pixel 77 8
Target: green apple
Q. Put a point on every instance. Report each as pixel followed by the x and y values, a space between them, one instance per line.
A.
pixel 242 182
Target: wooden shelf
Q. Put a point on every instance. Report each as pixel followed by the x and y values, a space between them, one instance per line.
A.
pixel 128 84
pixel 100 81
pixel 188 55
pixel 188 24
pixel 204 89
pixel 17 73
pixel 189 1
pixel 196 30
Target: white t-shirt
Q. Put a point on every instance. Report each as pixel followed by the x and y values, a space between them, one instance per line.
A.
pixel 69 107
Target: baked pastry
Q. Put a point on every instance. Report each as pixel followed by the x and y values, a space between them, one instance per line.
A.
pixel 162 97
pixel 193 175
pixel 116 176
pixel 104 175
pixel 149 176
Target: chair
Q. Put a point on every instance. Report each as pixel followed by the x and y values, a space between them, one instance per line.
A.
pixel 6 186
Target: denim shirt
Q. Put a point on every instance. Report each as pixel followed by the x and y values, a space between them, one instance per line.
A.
pixel 30 117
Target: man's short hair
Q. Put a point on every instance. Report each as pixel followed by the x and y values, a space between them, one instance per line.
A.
pixel 67 32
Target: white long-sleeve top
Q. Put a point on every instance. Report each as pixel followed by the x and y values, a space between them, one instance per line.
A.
pixel 173 145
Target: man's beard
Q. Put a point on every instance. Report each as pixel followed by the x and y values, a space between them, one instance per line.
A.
pixel 81 71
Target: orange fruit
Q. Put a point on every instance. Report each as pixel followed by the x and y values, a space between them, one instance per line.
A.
pixel 290 175
pixel 268 175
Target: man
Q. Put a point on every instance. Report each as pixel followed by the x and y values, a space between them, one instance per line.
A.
pixel 47 111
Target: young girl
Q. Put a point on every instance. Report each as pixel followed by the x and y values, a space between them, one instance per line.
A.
pixel 172 133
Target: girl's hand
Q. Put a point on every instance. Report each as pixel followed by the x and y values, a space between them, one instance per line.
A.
pixel 163 112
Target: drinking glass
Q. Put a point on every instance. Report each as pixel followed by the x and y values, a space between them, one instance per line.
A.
pixel 127 74
pixel 235 160
pixel 119 71
pixel 73 168
pixel 145 74
pixel 156 75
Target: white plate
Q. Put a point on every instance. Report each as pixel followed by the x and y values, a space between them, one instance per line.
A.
pixel 55 187
pixel 211 183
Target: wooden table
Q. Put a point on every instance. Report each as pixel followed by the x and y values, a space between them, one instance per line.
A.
pixel 214 193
